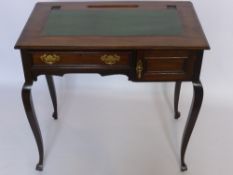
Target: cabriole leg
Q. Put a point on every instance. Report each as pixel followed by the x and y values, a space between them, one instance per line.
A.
pixel 52 92
pixel 176 99
pixel 29 109
pixel 193 114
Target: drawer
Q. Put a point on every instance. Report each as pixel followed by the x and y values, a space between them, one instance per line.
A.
pixel 84 58
pixel 165 65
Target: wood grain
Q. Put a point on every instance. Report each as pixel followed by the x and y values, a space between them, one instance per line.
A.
pixel 192 36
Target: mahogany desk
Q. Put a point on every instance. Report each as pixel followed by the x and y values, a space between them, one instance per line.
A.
pixel 146 41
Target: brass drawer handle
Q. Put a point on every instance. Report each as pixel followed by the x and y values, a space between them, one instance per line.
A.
pixel 110 59
pixel 50 59
pixel 139 69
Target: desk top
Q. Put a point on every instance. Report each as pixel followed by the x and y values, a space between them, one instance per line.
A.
pixel 113 25
pixel 112 22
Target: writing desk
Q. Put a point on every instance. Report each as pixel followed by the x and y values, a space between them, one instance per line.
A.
pixel 146 41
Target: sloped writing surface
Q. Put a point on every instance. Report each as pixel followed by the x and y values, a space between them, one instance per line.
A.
pixel 110 22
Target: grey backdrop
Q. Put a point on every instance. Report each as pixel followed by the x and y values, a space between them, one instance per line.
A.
pixel 93 136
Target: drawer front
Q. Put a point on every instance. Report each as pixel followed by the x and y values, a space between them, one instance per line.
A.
pixel 85 58
pixel 165 65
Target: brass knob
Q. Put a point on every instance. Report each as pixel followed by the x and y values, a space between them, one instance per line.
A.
pixel 110 59
pixel 139 68
pixel 50 59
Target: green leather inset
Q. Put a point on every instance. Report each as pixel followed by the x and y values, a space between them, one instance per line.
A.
pixel 106 22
